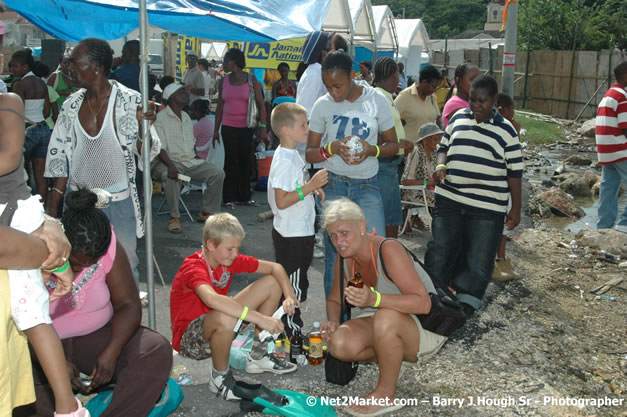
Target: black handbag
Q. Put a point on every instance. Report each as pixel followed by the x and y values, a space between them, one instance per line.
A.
pixel 337 371
pixel 446 314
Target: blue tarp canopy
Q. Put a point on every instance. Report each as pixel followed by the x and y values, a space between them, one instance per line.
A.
pixel 242 20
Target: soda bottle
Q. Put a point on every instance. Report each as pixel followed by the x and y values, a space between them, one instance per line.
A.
pixel 279 350
pixel 355 281
pixel 296 345
pixel 315 345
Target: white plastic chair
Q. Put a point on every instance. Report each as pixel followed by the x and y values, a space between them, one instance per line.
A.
pixel 413 208
pixel 187 184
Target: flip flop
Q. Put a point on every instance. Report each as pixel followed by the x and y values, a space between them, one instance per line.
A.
pixel 298 405
pixel 381 411
pixel 230 205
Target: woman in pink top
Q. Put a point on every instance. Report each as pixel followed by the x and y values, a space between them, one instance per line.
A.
pixel 231 115
pixel 98 321
pixel 464 75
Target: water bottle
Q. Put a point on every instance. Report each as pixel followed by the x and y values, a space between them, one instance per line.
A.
pixel 279 350
pixel 261 148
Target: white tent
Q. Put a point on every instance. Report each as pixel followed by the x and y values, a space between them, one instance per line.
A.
pixel 338 19
pixel 412 44
pixel 385 28
pixel 364 33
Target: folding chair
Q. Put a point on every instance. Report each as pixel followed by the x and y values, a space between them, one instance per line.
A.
pixel 413 208
pixel 180 200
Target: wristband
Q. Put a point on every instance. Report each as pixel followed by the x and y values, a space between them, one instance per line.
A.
pixel 60 269
pixel 329 150
pixel 323 154
pixel 378 151
pixel 376 303
pixel 58 191
pixel 299 191
pixel 241 319
pixel 262 125
pixel 440 166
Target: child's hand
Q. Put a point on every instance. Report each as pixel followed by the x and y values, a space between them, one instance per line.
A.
pixel 320 193
pixel 64 284
pixel 320 179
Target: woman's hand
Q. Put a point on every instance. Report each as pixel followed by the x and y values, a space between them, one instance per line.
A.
pixel 360 297
pixel 103 371
pixel 321 194
pixel 73 373
pixel 63 285
pixel 216 138
pixel 406 146
pixel 263 135
pixel 327 328
pixel 439 175
pixel 368 150
pixel 150 115
pixel 290 303
pixel 340 148
pixel 56 242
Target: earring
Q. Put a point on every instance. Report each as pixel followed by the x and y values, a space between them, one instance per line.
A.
pixel 362 233
pixel 97 73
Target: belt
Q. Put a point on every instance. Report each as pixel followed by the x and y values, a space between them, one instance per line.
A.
pixel 122 195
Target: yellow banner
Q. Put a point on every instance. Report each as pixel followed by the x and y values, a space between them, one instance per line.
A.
pixel 184 45
pixel 270 55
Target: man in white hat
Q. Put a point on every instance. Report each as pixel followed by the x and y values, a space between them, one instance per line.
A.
pixel 193 79
pixel 178 156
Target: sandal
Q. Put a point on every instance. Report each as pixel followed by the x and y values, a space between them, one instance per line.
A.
pixel 230 205
pixel 249 203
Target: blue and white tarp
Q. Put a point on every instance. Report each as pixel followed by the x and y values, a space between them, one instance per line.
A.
pixel 243 20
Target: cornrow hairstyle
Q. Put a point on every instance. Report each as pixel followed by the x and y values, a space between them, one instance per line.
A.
pixel 86 227
pixel 99 52
pixel 338 60
pixel 504 101
pixel 460 72
pixel 486 82
pixel 429 73
pixel 384 68
pixel 25 57
pixel 202 106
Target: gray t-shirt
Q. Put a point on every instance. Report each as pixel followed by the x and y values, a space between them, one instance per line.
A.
pixel 365 118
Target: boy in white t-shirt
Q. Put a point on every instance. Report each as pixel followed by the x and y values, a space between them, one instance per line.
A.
pixel 290 197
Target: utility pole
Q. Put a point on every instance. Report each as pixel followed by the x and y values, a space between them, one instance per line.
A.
pixel 509 50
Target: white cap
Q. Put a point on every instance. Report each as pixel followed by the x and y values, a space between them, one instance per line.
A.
pixel 171 89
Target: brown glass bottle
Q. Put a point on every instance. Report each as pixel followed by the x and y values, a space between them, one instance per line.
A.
pixel 355 281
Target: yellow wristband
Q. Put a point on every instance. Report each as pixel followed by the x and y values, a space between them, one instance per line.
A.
pixel 329 149
pixel 440 166
pixel 378 151
pixel 244 313
pixel 376 303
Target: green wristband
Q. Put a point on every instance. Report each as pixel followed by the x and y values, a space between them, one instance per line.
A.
pixel 299 191
pixel 61 268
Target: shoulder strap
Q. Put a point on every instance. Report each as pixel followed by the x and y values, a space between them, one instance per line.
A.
pixel 342 302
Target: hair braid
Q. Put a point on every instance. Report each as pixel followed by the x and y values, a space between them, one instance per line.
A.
pixel 100 52
pixel 384 68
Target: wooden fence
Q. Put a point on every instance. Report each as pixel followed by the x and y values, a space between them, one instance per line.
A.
pixel 564 84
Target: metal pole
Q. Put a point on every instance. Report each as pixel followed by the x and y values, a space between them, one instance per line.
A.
pixel 143 85
pixel 509 49
pixel 446 51
pixel 524 103
pixel 490 63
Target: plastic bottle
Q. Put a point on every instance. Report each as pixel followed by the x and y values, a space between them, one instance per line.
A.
pixel 315 345
pixel 279 350
pixel 296 346
pixel 261 148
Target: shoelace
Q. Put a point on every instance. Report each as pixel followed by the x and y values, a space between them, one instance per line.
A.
pixel 228 382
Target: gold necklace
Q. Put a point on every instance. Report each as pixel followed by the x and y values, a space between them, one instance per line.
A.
pixel 95 114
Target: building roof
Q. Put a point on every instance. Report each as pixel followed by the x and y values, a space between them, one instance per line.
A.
pixel 472 34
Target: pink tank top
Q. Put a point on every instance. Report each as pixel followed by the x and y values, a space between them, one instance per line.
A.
pixel 452 105
pixel 88 307
pixel 235 103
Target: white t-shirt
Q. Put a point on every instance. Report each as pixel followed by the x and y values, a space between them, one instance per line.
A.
pixel 288 168
pixel 310 89
pixel 365 118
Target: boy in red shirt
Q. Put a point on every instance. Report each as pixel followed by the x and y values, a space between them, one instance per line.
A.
pixel 205 320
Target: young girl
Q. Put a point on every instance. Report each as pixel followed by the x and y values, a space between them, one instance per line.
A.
pixel 203 127
pixel 29 298
pixel 503 269
pixel 346 111
pixel 464 76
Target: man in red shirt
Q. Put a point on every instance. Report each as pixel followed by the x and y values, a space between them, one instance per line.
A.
pixel 611 139
pixel 205 320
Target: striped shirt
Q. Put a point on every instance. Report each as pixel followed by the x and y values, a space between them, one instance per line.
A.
pixel 479 159
pixel 611 122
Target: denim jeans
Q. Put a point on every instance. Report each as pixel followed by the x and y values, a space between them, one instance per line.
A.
pixel 122 216
pixel 390 190
pixel 36 139
pixel 365 193
pixel 463 247
pixel 611 178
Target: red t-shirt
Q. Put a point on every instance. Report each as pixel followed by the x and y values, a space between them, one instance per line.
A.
pixel 185 305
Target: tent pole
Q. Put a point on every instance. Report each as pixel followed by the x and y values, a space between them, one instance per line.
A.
pixel 150 278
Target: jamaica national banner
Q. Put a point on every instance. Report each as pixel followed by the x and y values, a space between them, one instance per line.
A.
pixel 184 45
pixel 270 55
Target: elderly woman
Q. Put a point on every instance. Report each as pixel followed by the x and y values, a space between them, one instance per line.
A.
pixel 385 328
pixel 231 117
pixel 98 322
pixel 421 166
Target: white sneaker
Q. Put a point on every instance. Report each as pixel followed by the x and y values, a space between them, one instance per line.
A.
pixel 319 238
pixel 222 386
pixel 318 253
pixel 269 363
pixel 619 227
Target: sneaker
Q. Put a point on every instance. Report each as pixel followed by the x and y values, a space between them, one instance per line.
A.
pixel 269 363
pixel 222 386
pixel 505 271
pixel 318 253
pixel 80 411
pixel 202 216
pixel 319 240
pixel 621 228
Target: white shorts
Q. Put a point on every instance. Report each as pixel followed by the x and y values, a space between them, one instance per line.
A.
pixel 29 298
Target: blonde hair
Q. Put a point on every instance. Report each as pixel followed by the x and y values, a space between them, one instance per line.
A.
pixel 284 115
pixel 222 226
pixel 341 209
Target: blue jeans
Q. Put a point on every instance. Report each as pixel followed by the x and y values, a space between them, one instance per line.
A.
pixel 365 193
pixel 36 139
pixel 122 216
pixel 611 178
pixel 390 190
pixel 463 247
